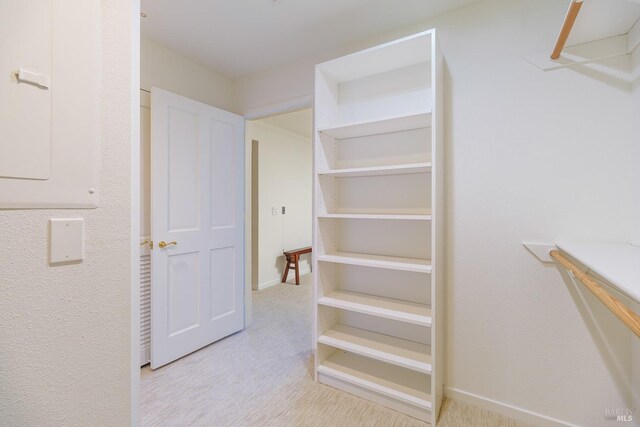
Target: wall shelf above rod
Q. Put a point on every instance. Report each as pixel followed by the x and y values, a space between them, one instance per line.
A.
pixel 619 309
pixel 600 267
pixel 602 31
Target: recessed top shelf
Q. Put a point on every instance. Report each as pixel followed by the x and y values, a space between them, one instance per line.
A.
pixel 388 308
pixel 389 380
pixel 376 216
pixel 400 352
pixel 617 263
pixel 403 169
pixel 378 127
pixel 378 261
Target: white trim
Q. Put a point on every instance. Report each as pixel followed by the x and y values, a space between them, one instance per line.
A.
pixel 283 130
pixel 270 283
pixel 505 409
pixel 145 98
pixel 145 355
pixel 248 226
pixel 288 106
pixel 134 236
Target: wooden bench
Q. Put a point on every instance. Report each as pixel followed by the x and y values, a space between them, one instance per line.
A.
pixel 292 258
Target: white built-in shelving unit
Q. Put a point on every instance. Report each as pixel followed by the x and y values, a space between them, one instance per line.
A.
pixel 378 225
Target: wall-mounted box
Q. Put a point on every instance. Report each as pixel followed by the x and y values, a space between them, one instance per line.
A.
pixel 49 103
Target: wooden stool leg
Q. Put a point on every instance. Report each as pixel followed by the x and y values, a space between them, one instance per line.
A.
pixel 297 257
pixel 286 270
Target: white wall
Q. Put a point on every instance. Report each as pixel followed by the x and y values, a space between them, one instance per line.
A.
pixel 65 345
pixel 171 71
pixel 530 155
pixel 285 177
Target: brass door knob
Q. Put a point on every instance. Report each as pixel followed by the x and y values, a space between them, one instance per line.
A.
pixel 164 244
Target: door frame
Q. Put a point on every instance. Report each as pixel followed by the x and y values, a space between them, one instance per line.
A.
pixel 134 236
pixel 288 106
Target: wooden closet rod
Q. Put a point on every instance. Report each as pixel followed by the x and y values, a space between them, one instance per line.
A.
pixel 622 312
pixel 569 20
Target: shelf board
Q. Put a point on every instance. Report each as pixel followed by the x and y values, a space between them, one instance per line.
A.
pixel 388 308
pixel 379 377
pixel 402 169
pixel 617 263
pixel 376 216
pixel 378 261
pixel 380 59
pixel 407 354
pixel 379 127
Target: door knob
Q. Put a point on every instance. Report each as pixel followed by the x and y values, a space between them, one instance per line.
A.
pixel 164 244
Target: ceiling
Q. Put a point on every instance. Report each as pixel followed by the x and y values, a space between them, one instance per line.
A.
pixel 241 37
pixel 298 122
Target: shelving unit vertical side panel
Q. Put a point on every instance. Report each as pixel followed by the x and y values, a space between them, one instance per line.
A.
pixel 325 111
pixel 314 231
pixel 438 230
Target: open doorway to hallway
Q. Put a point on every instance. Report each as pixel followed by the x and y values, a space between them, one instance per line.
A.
pixel 281 197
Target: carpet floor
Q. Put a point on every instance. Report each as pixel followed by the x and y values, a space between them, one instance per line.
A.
pixel 263 376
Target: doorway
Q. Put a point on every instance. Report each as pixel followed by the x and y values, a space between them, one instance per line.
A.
pixel 286 182
pixel 271 357
pixel 192 226
pixel 281 195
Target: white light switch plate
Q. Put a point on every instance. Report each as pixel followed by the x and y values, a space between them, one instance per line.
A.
pixel 66 240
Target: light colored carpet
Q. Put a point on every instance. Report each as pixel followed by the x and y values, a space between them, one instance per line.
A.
pixel 263 376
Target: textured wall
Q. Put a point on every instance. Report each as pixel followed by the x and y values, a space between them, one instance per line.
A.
pixel 530 155
pixel 65 331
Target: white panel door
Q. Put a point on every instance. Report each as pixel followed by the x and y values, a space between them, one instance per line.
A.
pixel 197 210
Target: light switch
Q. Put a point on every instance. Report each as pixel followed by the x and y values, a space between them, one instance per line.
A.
pixel 275 210
pixel 66 240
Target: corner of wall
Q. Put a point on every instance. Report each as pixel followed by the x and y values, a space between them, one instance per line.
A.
pixel 169 70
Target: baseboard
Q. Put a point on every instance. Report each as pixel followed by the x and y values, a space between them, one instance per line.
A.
pixel 270 283
pixel 503 408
